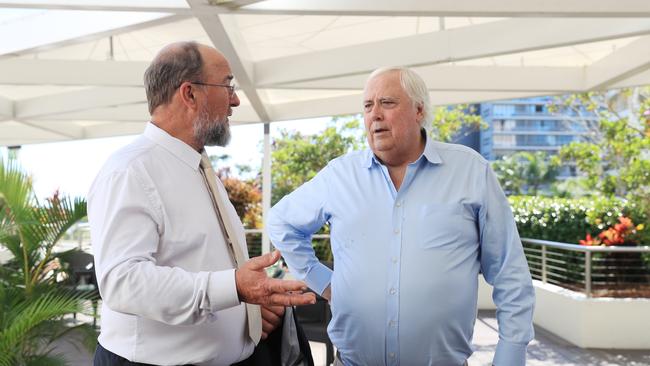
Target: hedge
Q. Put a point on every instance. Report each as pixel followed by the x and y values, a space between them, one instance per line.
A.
pixel 569 220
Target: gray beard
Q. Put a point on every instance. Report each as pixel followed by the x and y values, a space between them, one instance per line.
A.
pixel 210 132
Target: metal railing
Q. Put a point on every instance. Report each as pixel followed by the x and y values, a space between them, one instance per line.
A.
pixel 597 271
pixel 320 243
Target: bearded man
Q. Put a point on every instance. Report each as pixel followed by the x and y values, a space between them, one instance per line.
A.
pixel 165 237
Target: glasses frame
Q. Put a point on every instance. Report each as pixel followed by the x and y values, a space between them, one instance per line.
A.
pixel 230 87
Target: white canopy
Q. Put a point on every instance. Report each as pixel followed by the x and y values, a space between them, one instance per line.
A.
pixel 73 69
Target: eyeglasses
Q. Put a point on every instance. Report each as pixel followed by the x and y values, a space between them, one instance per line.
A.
pixel 231 88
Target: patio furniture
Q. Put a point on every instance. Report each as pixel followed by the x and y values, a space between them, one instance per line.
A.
pixel 81 268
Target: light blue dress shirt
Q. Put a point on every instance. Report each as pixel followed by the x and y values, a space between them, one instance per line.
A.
pixel 406 263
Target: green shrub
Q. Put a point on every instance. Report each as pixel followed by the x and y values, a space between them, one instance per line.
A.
pixel 569 220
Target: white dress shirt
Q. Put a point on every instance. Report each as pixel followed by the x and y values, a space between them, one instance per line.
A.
pixel 165 274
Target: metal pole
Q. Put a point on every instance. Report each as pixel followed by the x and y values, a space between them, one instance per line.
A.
pixel 80 236
pixel 266 187
pixel 544 263
pixel 588 274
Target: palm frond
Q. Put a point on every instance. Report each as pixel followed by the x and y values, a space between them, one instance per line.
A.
pixel 16 191
pixel 26 317
pixel 54 219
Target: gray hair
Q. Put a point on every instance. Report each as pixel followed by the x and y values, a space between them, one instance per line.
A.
pixel 415 88
pixel 175 64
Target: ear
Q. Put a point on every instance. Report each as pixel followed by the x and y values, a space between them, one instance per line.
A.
pixel 419 112
pixel 186 93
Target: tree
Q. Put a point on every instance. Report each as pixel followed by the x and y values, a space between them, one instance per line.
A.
pixel 526 172
pixel 296 158
pixel 453 122
pixel 614 158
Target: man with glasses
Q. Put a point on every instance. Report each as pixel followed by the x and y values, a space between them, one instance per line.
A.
pixel 412 222
pixel 171 260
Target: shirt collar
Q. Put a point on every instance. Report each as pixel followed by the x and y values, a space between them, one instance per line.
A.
pixel 176 147
pixel 429 153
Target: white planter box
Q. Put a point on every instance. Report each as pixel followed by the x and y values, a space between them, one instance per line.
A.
pixel 484 295
pixel 586 322
pixel 593 322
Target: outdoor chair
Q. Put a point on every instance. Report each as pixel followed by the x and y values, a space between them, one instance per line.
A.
pixel 81 269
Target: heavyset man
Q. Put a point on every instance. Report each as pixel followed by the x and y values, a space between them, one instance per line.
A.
pixel 412 223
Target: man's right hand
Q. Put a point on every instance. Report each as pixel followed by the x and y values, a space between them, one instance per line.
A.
pixel 254 287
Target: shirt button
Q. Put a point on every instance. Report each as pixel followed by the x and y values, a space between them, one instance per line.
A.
pixel 396 231
pixel 393 291
pixel 398 204
pixel 391 355
pixel 392 323
pixel 394 259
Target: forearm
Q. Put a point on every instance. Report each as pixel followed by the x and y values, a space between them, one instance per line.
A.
pixel 168 295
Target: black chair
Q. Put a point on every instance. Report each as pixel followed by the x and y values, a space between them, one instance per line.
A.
pixel 314 320
pixel 81 269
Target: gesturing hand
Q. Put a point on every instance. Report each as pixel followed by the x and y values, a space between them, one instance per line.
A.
pixel 254 287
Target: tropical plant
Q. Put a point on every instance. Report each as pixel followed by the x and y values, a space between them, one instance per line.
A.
pixel 32 300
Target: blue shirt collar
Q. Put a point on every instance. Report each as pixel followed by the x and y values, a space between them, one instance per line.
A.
pixel 429 153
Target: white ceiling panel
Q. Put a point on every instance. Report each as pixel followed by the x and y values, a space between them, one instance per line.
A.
pixel 72 69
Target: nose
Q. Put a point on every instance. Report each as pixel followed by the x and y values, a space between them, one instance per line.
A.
pixel 234 100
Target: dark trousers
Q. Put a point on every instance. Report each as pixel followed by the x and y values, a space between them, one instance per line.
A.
pixel 104 357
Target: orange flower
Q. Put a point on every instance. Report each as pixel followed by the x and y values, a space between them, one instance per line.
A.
pixel 611 237
pixel 625 223
pixel 589 241
pixel 614 235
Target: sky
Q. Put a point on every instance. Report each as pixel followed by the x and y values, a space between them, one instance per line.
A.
pixel 71 166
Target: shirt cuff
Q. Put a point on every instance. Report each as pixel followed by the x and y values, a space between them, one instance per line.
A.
pixel 318 278
pixel 510 354
pixel 222 290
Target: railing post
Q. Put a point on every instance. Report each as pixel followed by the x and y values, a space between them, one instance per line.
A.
pixel 544 263
pixel 588 273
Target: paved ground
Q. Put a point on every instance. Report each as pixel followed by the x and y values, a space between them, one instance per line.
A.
pixel 545 350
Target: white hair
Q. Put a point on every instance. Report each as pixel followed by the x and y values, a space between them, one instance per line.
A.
pixel 414 87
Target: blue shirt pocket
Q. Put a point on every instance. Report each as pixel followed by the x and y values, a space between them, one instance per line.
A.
pixel 440 225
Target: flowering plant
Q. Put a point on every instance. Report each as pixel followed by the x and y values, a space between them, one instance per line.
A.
pixel 618 234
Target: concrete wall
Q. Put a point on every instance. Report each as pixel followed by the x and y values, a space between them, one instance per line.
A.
pixel 586 322
pixel 593 323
